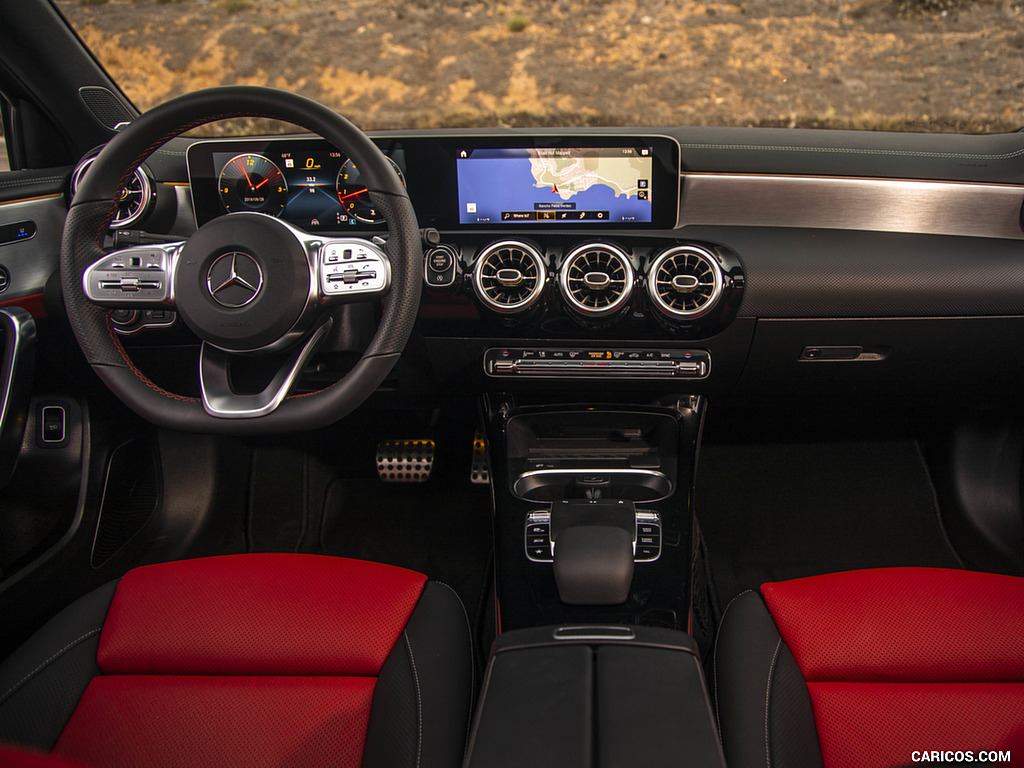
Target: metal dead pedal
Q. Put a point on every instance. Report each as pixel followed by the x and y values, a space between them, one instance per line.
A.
pixel 480 469
pixel 405 461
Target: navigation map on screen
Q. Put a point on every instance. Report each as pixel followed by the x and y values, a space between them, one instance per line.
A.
pixel 565 185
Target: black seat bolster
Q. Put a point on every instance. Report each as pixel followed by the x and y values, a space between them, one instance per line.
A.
pixel 425 691
pixel 764 710
pixel 42 682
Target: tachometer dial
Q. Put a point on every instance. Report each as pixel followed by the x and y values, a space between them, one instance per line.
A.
pixel 252 183
pixel 353 195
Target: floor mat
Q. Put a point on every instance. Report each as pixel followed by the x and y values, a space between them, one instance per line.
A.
pixel 441 528
pixel 780 511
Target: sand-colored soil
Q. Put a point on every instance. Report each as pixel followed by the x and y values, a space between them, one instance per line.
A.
pixel 427 63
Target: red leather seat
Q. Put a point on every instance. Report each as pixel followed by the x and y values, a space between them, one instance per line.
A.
pixel 273 659
pixel 886 667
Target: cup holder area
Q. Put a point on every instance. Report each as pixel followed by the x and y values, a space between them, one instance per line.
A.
pixel 592 454
pixel 547 485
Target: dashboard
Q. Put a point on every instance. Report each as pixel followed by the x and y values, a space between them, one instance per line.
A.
pixel 543 235
pixel 761 262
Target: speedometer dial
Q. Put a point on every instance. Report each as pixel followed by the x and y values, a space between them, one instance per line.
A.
pixel 353 194
pixel 252 183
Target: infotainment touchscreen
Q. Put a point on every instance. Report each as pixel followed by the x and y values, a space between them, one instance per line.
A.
pixel 592 185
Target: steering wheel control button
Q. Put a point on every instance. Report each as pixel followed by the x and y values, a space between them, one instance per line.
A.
pixel 134 276
pixel 124 316
pixel 234 279
pixel 353 268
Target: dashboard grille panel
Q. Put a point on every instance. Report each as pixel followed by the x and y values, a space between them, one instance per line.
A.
pixel 685 282
pixel 596 279
pixel 509 276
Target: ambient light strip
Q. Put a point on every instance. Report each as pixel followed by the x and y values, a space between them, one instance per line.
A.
pixel 876 205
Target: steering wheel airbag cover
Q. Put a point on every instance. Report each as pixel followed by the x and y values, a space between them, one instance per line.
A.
pixel 242 282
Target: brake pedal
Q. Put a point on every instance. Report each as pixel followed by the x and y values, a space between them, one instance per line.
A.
pixel 405 461
pixel 480 468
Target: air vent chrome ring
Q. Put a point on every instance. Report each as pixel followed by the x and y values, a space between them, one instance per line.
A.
pixel 509 276
pixel 596 279
pixel 134 202
pixel 684 282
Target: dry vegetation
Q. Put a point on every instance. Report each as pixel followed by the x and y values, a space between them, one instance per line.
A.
pixel 874 64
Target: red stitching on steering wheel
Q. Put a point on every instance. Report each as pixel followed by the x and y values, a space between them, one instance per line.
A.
pixel 139 374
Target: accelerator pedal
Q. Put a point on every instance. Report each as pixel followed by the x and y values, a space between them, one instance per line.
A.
pixel 480 468
pixel 405 461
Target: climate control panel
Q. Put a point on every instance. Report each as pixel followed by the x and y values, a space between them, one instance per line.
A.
pixel 606 363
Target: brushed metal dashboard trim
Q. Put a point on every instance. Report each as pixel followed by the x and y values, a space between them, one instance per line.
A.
pixel 878 205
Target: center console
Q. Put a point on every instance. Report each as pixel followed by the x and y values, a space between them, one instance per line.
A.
pixel 594 538
pixel 592 512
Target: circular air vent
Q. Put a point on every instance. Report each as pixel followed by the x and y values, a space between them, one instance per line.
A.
pixel 134 200
pixel 596 280
pixel 509 276
pixel 684 282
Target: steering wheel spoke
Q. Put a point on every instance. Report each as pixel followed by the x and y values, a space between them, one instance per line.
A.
pixel 220 398
pixel 133 278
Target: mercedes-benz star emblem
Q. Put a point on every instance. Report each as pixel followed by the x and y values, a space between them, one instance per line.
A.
pixel 234 279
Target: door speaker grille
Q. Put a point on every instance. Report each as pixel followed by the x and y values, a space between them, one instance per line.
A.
pixel 131 495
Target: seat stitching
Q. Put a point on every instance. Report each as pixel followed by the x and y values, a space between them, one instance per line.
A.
pixel 714 656
pixel 472 665
pixel 419 701
pixel 46 663
pixel 767 699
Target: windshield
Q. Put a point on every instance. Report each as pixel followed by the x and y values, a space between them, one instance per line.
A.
pixel 920 65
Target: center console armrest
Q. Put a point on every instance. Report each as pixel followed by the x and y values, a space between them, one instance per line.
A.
pixel 579 697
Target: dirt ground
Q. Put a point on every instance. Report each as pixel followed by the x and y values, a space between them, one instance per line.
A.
pixel 875 64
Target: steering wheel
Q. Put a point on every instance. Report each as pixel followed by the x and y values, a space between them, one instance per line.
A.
pixel 246 284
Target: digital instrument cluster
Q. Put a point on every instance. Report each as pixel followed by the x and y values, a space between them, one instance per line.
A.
pixel 455 181
pixel 306 182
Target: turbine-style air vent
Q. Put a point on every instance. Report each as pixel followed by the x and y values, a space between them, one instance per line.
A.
pixel 596 280
pixel 684 282
pixel 509 276
pixel 134 200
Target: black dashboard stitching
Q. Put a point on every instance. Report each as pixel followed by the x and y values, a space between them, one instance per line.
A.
pixel 31 182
